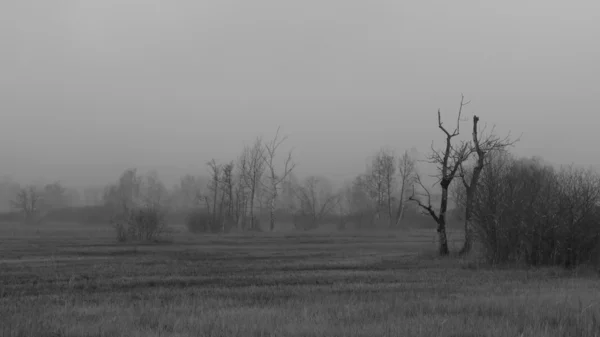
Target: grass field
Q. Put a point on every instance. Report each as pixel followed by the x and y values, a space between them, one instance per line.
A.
pixel 66 280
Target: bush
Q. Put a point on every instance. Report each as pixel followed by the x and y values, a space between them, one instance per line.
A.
pixel 141 224
pixel 529 213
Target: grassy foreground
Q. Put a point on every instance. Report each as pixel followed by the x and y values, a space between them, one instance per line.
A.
pixel 58 280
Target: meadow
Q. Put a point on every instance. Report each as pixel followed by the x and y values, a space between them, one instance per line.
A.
pixel 75 280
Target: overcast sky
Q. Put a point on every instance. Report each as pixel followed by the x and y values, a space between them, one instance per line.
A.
pixel 91 87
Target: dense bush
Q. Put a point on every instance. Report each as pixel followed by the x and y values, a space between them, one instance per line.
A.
pixel 141 224
pixel 528 212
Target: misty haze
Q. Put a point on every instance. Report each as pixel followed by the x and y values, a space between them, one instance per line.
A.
pixel 307 168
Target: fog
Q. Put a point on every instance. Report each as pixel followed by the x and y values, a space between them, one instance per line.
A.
pixel 90 88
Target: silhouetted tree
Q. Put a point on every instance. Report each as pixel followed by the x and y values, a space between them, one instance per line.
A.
pixel 448 162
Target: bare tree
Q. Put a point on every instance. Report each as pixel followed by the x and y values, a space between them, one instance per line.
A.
pixel 227 185
pixel 381 180
pixel 215 174
pixel 317 200
pixel 407 170
pixel 448 162
pixel 252 170
pixel 481 146
pixel 274 179
pixel 28 202
pixel 240 196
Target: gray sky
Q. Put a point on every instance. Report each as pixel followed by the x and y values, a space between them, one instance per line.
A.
pixel 88 88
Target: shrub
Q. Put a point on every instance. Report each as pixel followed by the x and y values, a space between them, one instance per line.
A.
pixel 141 224
pixel 529 213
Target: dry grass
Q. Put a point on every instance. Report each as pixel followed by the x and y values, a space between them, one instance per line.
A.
pixel 66 281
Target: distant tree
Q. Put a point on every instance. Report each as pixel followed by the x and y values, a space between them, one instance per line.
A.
pixel 275 180
pixel 381 181
pixel 92 195
pixel 55 196
pixel 289 202
pixel 317 201
pixel 227 188
pixel 252 168
pixel 448 162
pixel 215 175
pixel 407 171
pixel 153 192
pixel 189 192
pixel 362 202
pixel 73 197
pixel 140 204
pixel 240 195
pixel 355 205
pixel 8 192
pixel 28 202
pixel 125 194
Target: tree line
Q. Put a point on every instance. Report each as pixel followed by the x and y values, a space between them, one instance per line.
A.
pixel 512 209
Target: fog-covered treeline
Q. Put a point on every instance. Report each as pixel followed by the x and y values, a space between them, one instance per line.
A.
pixel 512 209
pixel 257 191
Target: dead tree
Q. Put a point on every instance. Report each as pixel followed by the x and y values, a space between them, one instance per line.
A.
pixel 274 179
pixel 406 168
pixel 448 162
pixel 481 146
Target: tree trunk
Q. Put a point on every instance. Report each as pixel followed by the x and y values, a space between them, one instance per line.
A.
pixel 221 219
pixel 400 212
pixel 443 238
pixel 272 211
pixel 242 212
pixel 390 215
pixel 252 208
pixel 442 219
pixel 230 191
pixel 471 191
pixel 216 186
pixel 468 244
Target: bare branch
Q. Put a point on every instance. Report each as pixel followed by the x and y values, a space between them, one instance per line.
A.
pixel 427 207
